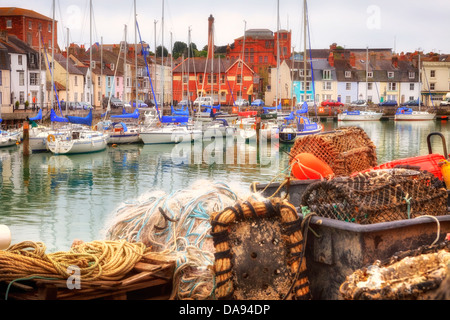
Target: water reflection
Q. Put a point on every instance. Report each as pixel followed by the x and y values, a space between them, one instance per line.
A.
pixel 56 199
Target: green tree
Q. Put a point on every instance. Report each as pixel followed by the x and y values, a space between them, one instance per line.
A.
pixel 163 50
pixel 179 48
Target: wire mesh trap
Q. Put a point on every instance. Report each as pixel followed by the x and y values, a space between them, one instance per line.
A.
pixel 410 275
pixel 346 150
pixel 377 196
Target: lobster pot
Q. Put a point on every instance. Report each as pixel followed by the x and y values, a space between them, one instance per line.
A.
pixel 377 196
pixel 421 273
pixel 346 150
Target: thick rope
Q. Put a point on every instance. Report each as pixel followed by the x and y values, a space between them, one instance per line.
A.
pixel 97 260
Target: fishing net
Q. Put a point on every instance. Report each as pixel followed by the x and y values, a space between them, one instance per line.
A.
pixel 177 226
pixel 346 150
pixel 377 196
pixel 422 273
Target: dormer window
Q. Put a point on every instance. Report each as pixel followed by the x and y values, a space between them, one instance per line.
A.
pixel 390 74
pixel 92 64
pixel 370 74
pixel 348 74
pixel 327 74
pixel 412 75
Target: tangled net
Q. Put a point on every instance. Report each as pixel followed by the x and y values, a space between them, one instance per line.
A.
pixel 177 226
pixel 97 260
pixel 378 196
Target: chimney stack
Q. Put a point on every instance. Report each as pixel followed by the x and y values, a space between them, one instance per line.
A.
pixel 331 59
pixel 352 59
pixel 210 37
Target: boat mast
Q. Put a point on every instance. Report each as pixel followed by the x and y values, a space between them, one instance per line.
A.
pixel 419 68
pixel 135 54
pixel 278 50
pixel 171 68
pixel 367 71
pixel 53 57
pixel 243 59
pixel 67 71
pixel 90 54
pixel 304 51
pixel 125 65
pixel 162 58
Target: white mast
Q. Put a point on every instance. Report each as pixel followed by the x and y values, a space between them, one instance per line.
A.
pixel 53 57
pixel 278 49
pixel 90 55
pixel 419 68
pixel 304 50
pixel 243 59
pixel 162 58
pixel 125 66
pixel 135 53
pixel 67 71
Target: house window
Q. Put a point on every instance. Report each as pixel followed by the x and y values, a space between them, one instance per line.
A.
pixel 411 86
pixel 348 74
pixel 117 81
pixel 432 86
pixel 432 73
pixel 21 78
pixel 185 78
pixel 390 74
pixel 222 78
pixel 412 75
pixel 99 95
pixel 327 74
pixel 34 79
pixel 348 99
pixel 19 60
pixel 109 82
pixel 411 98
pixel 200 78
pixel 326 85
pixel 302 73
pixel 76 81
pixel 348 86
pixel 239 79
pixel 21 97
pixel 92 64
pixel 369 86
pixel 8 24
pixel 260 59
pixel 370 74
pixel 30 25
pixel 1 77
pixel 266 59
pixel 49 27
pixel 99 81
pixel 392 86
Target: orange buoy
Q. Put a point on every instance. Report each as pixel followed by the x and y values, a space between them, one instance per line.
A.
pixel 308 166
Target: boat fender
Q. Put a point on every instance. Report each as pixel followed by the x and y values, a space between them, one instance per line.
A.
pixel 308 166
pixel 5 237
pixel 445 169
pixel 50 138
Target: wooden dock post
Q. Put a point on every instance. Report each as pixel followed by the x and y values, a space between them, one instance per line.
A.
pixel 26 139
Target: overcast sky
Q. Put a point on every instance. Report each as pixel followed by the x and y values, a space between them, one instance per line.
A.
pixel 403 25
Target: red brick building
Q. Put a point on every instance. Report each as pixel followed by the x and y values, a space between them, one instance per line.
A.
pixel 25 25
pixel 260 46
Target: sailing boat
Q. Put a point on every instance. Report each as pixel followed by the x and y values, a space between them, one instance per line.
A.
pixel 166 129
pixel 298 123
pixel 408 114
pixel 361 115
pixel 8 138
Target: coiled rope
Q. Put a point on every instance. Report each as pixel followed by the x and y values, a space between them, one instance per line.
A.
pixel 97 260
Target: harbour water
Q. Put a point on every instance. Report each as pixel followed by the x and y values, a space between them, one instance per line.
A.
pixel 56 199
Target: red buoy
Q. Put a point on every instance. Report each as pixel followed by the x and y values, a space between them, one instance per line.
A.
pixel 308 166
